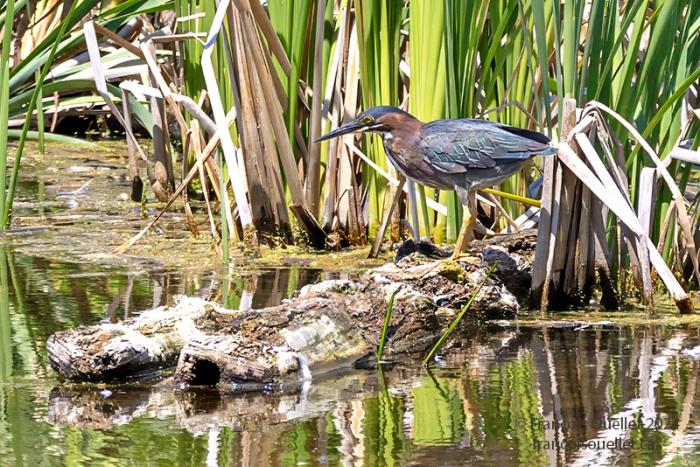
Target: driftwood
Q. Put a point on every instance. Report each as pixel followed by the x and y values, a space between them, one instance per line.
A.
pixel 329 326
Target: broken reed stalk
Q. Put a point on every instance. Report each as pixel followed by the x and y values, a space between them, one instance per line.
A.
pixel 191 224
pixel 385 328
pixel 235 172
pixel 192 107
pixel 438 345
pixel 678 199
pixel 206 153
pixel 251 139
pixel 136 182
pixel 197 148
pixel 374 252
pixel 257 59
pixel 348 102
pixel 332 111
pixel 617 204
pixel 578 191
pixel 162 160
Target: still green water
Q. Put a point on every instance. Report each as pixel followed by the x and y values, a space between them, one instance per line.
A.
pixel 546 395
pixel 550 393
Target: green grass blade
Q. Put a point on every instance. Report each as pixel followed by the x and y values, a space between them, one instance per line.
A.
pixel 4 100
pixel 7 207
pixel 542 51
pixel 40 119
pixel 385 328
pixel 52 138
pixel 459 317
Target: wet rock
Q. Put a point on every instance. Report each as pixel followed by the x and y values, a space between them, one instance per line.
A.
pixel 333 285
pixel 511 268
pixel 422 247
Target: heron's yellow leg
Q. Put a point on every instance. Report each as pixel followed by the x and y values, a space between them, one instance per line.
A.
pixel 466 233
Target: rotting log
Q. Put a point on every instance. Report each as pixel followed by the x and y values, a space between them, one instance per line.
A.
pixel 328 326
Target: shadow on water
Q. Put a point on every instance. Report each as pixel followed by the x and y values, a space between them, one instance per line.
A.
pixel 538 395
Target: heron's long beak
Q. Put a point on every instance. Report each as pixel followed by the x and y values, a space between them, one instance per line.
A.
pixel 351 127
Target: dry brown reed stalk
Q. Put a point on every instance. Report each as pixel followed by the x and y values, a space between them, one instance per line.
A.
pixel 45 17
pixel 251 139
pixel 197 140
pixel 201 159
pixel 580 193
pixel 191 224
pixel 333 112
pixel 235 171
pixel 136 182
pixel 379 237
pixel 257 59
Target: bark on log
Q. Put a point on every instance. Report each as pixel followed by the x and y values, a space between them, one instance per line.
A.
pixel 328 326
pixel 132 348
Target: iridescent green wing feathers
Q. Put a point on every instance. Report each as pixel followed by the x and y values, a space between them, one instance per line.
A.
pixel 456 146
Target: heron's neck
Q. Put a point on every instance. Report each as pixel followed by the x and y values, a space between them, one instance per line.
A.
pixel 407 133
pixel 401 140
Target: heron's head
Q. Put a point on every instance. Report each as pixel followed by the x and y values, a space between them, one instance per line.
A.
pixel 381 119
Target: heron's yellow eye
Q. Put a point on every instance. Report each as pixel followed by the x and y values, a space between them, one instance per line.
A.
pixel 367 120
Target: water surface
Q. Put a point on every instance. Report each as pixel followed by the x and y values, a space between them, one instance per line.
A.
pixel 540 395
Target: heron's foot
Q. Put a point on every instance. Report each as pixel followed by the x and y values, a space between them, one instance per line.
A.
pixel 457 254
pixel 462 245
pixel 423 247
pixel 466 235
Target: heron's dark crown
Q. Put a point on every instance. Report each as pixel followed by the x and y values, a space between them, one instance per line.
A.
pixel 382 110
pixel 382 119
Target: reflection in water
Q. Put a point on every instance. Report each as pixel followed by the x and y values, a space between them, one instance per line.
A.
pixel 549 395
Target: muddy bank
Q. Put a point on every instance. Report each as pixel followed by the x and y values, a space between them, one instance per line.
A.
pixel 327 326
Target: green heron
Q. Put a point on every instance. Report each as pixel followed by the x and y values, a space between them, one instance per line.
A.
pixel 462 155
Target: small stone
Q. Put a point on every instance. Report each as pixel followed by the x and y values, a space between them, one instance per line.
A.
pixel 123 197
pixel 333 285
pixel 287 362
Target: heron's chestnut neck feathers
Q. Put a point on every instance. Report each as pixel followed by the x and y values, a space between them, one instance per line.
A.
pixel 402 129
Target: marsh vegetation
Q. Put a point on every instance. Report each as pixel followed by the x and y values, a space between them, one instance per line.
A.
pixel 233 94
pixel 159 147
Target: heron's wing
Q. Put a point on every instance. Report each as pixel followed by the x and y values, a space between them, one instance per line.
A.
pixel 456 146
